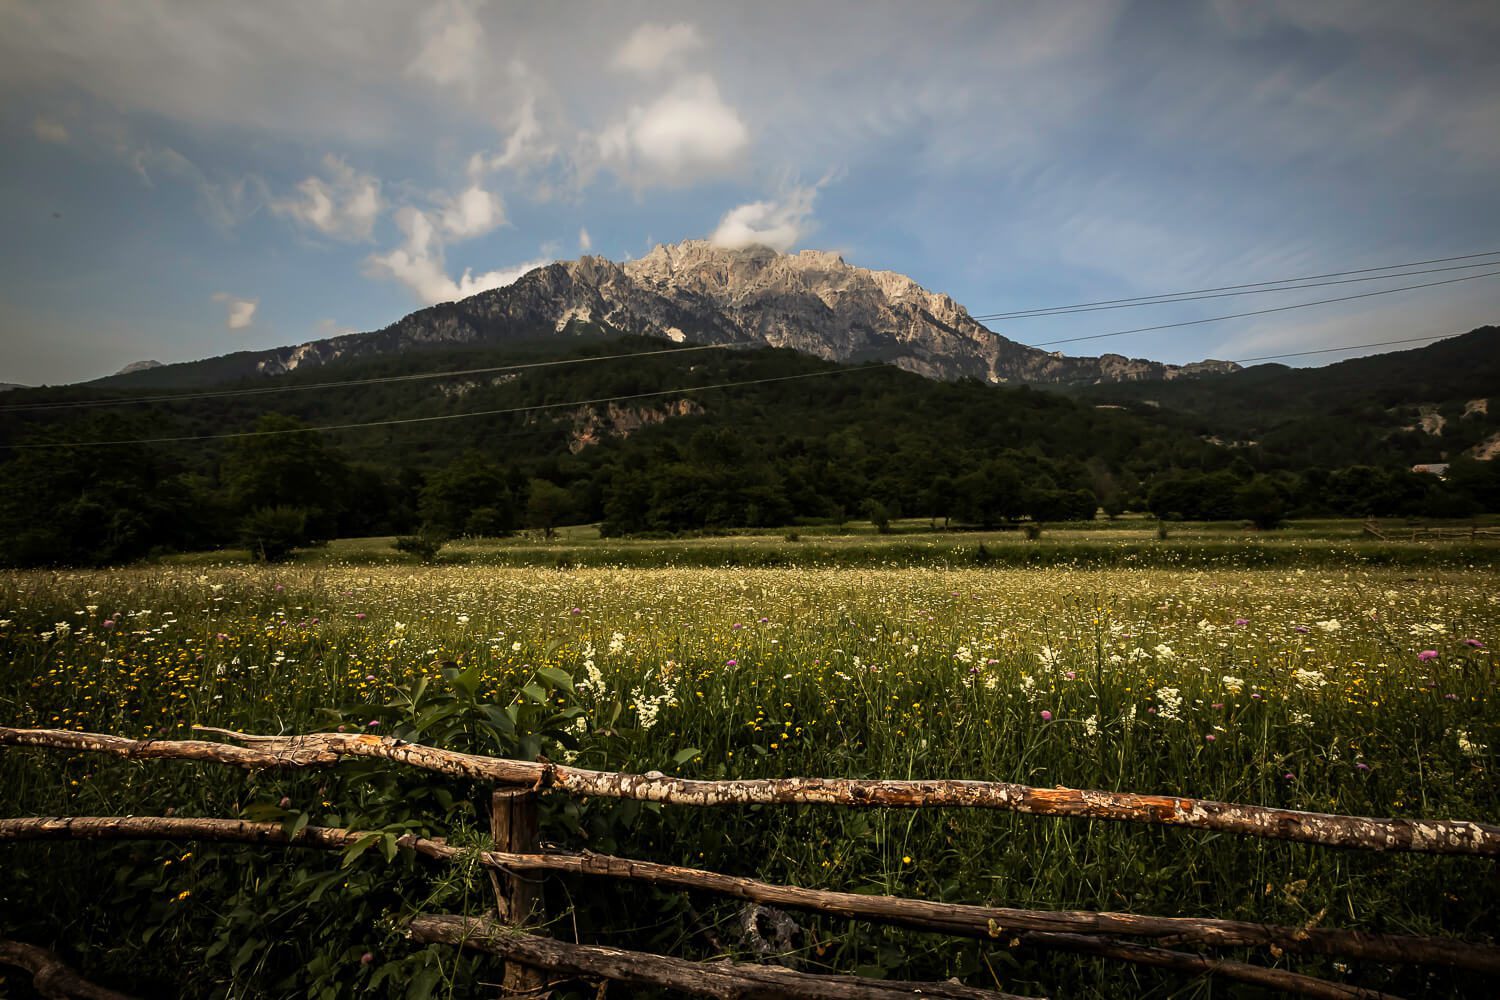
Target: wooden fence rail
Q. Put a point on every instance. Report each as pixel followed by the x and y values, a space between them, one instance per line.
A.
pixel 1081 932
pixel 319 749
pixel 958 919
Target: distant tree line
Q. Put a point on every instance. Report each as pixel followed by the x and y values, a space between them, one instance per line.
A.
pixel 879 445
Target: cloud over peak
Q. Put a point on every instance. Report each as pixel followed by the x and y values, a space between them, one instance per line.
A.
pixel 420 264
pixel 780 223
pixel 686 134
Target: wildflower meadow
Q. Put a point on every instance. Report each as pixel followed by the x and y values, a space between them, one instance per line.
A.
pixel 1367 691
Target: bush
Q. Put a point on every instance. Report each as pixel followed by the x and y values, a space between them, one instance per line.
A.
pixel 425 545
pixel 1033 530
pixel 271 533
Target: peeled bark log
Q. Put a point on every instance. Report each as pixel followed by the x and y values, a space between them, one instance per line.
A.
pixel 50 977
pixel 963 920
pixel 1275 979
pixel 1327 829
pixel 724 980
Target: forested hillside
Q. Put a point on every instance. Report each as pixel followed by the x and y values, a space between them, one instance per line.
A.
pixel 702 440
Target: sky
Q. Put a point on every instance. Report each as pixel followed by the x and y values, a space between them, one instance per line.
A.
pixel 184 178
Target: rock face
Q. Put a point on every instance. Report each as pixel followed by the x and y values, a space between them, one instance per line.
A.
pixel 811 301
pixel 139 366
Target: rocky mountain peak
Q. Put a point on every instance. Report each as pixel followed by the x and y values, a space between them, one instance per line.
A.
pixel 812 301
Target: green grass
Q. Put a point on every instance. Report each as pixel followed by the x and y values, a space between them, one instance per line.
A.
pixel 1317 700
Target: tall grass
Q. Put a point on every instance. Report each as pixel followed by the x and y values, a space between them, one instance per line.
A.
pixel 1301 688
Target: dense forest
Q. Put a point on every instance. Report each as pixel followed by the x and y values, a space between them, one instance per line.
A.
pixel 804 441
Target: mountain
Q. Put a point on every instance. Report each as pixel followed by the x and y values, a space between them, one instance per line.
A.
pixel 7 386
pixel 139 366
pixel 1429 404
pixel 813 302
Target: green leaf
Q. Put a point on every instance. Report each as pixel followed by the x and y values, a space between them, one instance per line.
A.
pixel 558 678
pixel 498 719
pixel 536 693
pixel 360 846
pixel 294 825
pixel 388 846
pixel 686 754
pixel 467 682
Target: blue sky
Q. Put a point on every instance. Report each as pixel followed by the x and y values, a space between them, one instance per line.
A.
pixel 187 179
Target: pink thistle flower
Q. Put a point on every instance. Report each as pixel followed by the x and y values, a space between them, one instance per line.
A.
pixel 1210 738
pixel 1427 654
pixel 1473 644
pixel 1046 715
pixel 1242 621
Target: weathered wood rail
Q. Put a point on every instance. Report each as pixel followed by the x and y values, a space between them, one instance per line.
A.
pixel 320 749
pixel 1099 934
pixel 958 919
pixel 49 976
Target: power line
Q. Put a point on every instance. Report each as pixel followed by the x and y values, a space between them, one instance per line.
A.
pixel 1017 313
pixel 1262 312
pixel 640 395
pixel 443 416
pixel 1191 297
pixel 263 390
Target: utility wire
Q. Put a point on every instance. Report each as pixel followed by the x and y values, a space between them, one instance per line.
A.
pixel 1262 312
pixel 1430 338
pixel 645 395
pixel 1015 313
pixel 445 416
pixel 1193 297
pixel 263 390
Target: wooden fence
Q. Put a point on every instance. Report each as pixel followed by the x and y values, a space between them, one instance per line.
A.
pixel 530 958
pixel 1426 533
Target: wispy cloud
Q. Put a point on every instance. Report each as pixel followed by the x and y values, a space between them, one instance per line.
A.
pixel 652 47
pixel 419 264
pixel 343 203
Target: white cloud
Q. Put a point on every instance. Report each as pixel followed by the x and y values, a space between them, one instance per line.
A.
pixel 778 224
pixel 686 134
pixel 49 130
pixel 344 205
pixel 652 46
pixel 419 264
pixel 240 312
pixel 473 212
pixel 585 241
pixel 452 45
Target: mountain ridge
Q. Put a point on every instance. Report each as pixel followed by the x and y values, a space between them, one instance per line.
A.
pixel 812 301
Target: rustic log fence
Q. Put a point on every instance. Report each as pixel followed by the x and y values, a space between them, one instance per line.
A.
pixel 516 853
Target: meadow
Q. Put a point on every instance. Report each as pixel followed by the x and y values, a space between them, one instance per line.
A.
pixel 1358 689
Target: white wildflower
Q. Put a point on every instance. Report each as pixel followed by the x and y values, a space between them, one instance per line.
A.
pixel 1232 684
pixel 1305 678
pixel 1170 704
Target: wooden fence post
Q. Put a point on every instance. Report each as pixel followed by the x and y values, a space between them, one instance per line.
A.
pixel 514 829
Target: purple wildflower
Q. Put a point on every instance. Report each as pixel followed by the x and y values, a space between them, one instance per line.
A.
pixel 1046 715
pixel 1427 654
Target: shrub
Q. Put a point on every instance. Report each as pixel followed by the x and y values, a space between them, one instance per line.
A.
pixel 425 545
pixel 272 533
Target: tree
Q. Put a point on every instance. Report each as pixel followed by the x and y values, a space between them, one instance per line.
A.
pixel 281 468
pixel 471 496
pixel 1261 502
pixel 547 506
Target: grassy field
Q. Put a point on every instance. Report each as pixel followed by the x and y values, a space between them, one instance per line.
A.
pixel 1337 685
pixel 1127 542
